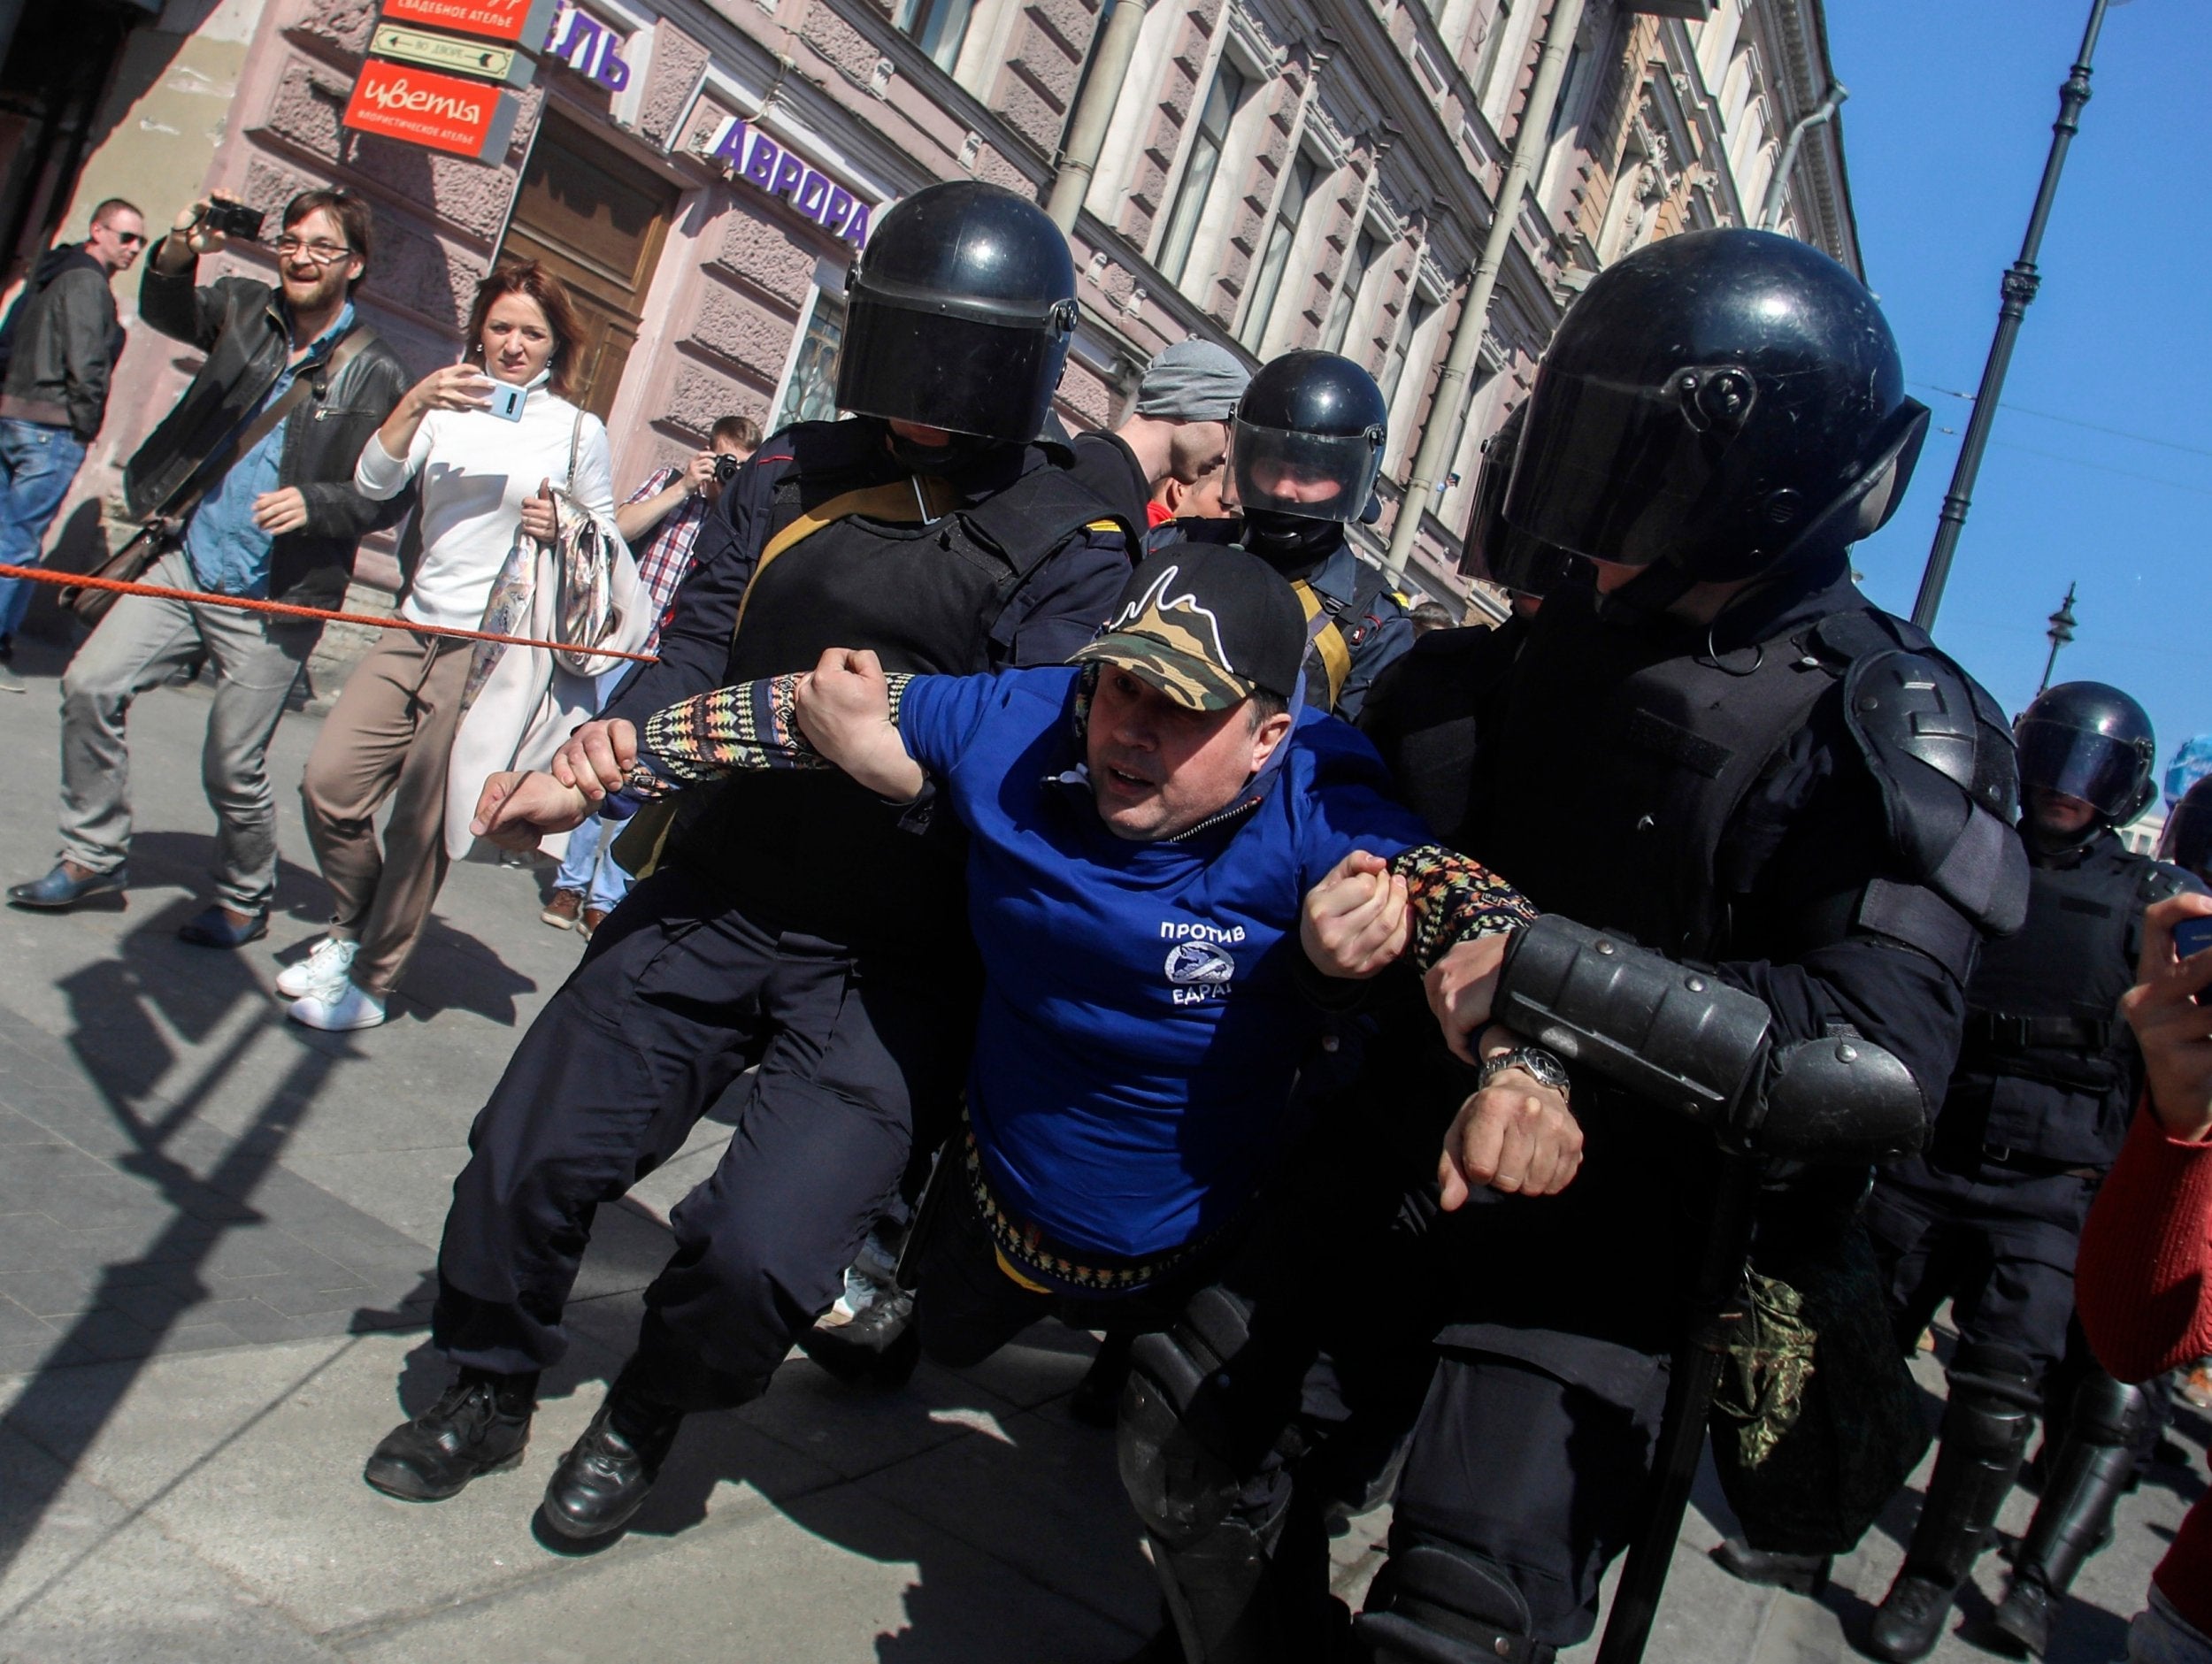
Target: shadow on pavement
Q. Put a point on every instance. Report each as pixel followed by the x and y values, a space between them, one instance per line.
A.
pixel 124 1053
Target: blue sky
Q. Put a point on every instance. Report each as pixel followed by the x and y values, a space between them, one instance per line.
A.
pixel 1945 135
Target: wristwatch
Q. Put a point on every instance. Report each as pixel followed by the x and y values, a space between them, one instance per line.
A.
pixel 1544 1067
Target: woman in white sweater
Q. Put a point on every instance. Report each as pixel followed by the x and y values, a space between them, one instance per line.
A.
pixel 480 474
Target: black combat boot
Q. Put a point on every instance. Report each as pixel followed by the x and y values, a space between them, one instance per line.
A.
pixel 480 1426
pixel 1985 1430
pixel 2084 1483
pixel 879 1348
pixel 606 1476
pixel 1799 1574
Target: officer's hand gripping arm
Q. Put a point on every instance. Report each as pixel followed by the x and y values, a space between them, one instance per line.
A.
pixel 1683 1038
pixel 750 726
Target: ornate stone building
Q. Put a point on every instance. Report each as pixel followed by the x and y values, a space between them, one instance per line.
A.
pixel 1276 174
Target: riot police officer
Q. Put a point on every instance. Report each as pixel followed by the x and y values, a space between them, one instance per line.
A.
pixel 1989 1216
pixel 1746 768
pixel 1305 450
pixel 795 925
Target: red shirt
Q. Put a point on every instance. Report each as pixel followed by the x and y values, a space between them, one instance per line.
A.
pixel 2144 1285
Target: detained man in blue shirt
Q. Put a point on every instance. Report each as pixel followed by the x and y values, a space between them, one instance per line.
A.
pixel 1157 830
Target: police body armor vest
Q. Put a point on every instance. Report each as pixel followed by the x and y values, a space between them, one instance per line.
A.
pixel 1635 756
pixel 2044 1071
pixel 926 596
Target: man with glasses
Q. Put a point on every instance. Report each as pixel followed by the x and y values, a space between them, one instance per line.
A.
pixel 55 351
pixel 247 484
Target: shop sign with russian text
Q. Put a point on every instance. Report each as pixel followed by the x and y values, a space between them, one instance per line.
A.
pixel 752 156
pixel 519 22
pixel 443 112
pixel 454 52
pixel 590 48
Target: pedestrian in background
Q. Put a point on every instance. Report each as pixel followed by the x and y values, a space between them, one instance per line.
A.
pixel 484 473
pixel 2145 1275
pixel 670 507
pixel 56 350
pixel 1177 435
pixel 247 488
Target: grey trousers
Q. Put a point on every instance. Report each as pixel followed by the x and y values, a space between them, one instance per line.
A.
pixel 143 640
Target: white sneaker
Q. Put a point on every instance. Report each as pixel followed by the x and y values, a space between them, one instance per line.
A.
pixel 339 1010
pixel 322 971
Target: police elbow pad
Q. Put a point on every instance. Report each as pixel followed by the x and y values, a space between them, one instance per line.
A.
pixel 1943 759
pixel 1669 1034
pixel 1837 1099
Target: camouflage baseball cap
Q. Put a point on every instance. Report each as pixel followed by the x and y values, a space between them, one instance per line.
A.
pixel 1208 624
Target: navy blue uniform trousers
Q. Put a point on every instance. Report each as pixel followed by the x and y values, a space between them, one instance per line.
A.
pixel 680 995
pixel 1999 1245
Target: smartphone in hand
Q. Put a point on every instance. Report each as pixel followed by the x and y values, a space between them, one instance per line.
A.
pixel 2192 936
pixel 506 401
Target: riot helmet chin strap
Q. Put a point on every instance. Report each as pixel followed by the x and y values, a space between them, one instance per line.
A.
pixel 961 454
pixel 1285 539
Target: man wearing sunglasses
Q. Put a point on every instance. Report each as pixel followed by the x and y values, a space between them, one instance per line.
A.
pixel 56 348
pixel 247 486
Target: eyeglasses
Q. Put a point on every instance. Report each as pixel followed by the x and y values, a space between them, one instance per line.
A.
pixel 321 253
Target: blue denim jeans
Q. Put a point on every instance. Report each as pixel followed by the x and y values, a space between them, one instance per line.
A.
pixel 37 463
pixel 588 868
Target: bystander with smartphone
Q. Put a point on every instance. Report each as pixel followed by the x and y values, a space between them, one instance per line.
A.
pixel 245 488
pixel 661 521
pixel 486 438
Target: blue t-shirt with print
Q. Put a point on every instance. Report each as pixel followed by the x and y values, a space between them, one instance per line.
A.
pixel 1139 1029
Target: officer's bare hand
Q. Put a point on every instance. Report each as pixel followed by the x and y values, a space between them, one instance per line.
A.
pixel 1357 920
pixel 597 757
pixel 1516 1135
pixel 516 809
pixel 844 710
pixel 277 512
pixel 2174 1031
pixel 1460 987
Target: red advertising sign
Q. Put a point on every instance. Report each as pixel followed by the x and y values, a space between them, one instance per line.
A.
pixel 442 112
pixel 522 21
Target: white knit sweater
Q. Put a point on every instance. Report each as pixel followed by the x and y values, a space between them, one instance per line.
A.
pixel 476 469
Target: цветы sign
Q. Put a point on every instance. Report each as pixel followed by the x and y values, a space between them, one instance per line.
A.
pixel 464 117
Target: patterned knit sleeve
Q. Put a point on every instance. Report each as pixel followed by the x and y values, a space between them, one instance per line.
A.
pixel 1455 899
pixel 750 725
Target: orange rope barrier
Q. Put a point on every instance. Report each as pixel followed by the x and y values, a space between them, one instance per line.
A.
pixel 86 580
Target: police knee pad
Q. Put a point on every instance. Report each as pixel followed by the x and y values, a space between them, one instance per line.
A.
pixel 1438 1603
pixel 1994 1399
pixel 2109 1412
pixel 1177 1481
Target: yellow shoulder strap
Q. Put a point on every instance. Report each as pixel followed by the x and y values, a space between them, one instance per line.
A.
pixel 908 502
pixel 1328 641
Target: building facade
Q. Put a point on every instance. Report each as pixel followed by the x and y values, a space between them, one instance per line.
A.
pixel 1276 174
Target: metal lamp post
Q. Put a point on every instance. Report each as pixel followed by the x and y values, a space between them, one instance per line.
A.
pixel 2018 287
pixel 2058 634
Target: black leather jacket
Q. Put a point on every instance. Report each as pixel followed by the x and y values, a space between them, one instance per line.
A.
pixel 238 324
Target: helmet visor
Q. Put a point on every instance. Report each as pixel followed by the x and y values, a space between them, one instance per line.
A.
pixel 1313 476
pixel 941 370
pixel 2103 772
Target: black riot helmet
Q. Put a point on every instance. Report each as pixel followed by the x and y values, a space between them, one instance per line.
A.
pixel 1722 401
pixel 959 314
pixel 1307 440
pixel 2187 839
pixel 1495 552
pixel 2087 740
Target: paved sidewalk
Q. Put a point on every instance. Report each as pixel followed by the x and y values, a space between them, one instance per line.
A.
pixel 216 1235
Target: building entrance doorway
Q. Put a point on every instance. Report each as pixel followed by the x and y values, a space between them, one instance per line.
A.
pixel 596 220
pixel 56 68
